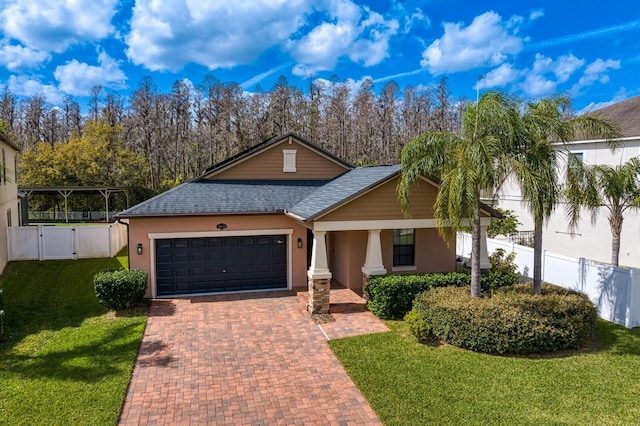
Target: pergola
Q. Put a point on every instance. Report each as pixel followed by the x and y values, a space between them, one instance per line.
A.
pixel 66 192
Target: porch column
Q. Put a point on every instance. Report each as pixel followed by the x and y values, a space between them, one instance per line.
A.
pixel 319 276
pixel 373 264
pixel 484 253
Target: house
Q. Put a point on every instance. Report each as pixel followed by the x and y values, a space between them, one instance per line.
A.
pixel 284 214
pixel 9 200
pixel 590 241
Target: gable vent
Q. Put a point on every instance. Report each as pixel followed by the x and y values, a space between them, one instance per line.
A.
pixel 289 156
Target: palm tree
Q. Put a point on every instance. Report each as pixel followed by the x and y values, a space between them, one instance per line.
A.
pixel 615 188
pixel 545 128
pixel 466 165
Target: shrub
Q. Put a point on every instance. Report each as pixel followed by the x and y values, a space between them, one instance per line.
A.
pixel 512 320
pixel 120 288
pixel 391 296
pixel 418 325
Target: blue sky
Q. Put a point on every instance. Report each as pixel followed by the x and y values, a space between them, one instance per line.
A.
pixel 588 49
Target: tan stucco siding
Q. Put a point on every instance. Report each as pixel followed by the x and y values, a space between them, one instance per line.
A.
pixel 432 254
pixel 269 164
pixel 348 253
pixel 139 230
pixel 382 204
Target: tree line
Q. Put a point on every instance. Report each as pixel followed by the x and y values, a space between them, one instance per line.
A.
pixel 180 133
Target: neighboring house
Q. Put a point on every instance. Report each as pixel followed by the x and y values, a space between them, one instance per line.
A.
pixel 9 201
pixel 284 214
pixel 590 241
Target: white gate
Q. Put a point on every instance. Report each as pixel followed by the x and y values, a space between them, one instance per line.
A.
pixel 57 243
pixel 65 242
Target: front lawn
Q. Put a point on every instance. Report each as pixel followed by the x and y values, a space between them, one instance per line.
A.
pixel 65 359
pixel 408 383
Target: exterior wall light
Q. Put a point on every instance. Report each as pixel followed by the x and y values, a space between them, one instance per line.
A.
pixel 139 248
pixel 221 226
pixel 299 242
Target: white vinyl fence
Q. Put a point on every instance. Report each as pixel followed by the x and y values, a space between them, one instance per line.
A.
pixel 65 242
pixel 615 291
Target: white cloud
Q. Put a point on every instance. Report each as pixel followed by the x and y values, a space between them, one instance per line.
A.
pixel 219 34
pixel 597 71
pixel 620 96
pixel 547 73
pixel 77 78
pixel 16 57
pixel 358 33
pixel 487 41
pixel 498 77
pixel 54 25
pixel 354 85
pixel 536 14
pixel 417 17
pixel 24 86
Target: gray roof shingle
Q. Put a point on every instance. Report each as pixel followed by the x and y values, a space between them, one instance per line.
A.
pixel 225 197
pixel 342 189
pixel 625 113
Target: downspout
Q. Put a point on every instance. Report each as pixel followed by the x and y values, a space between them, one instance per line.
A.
pixel 128 243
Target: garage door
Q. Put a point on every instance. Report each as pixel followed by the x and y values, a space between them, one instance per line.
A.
pixel 203 265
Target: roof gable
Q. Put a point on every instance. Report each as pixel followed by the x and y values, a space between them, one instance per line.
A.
pixel 342 190
pixel 267 161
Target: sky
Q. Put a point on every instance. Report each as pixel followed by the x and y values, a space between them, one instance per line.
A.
pixel 587 49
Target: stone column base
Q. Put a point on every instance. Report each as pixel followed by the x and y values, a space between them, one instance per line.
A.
pixel 365 284
pixel 319 295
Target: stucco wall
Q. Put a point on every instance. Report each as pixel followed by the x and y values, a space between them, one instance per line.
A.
pixel 139 230
pixel 589 241
pixel 431 252
pixel 348 254
pixel 8 200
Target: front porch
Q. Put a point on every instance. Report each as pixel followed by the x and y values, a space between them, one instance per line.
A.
pixel 348 309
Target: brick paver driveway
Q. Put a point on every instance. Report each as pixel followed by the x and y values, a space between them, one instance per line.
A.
pixel 251 359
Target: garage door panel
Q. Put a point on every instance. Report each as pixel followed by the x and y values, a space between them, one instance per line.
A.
pixel 197 265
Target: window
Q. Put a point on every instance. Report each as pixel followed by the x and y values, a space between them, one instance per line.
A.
pixel 289 160
pixel 579 156
pixel 403 247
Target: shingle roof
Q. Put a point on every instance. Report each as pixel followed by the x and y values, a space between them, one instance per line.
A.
pixel 225 197
pixel 342 189
pixel 625 113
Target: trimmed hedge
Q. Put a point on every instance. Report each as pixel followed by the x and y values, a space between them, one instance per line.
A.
pixel 120 288
pixel 511 321
pixel 391 296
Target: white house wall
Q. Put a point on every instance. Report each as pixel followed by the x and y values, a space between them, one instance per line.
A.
pixel 589 241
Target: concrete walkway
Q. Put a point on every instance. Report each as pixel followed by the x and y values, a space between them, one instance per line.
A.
pixel 245 359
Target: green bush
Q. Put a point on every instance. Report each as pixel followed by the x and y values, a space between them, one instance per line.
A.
pixel 512 320
pixel 418 325
pixel 391 296
pixel 120 288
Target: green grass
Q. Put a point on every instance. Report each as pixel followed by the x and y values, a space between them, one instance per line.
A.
pixel 65 359
pixel 408 383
